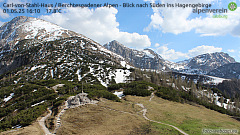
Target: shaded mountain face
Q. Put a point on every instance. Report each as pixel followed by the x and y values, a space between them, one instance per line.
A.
pixel 72 59
pixel 23 27
pixel 205 63
pixel 230 87
pixel 145 59
pixel 229 71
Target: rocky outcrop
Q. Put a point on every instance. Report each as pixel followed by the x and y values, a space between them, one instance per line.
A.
pixel 79 99
pixel 145 59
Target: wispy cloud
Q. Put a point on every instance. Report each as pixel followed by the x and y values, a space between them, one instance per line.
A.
pixel 171 54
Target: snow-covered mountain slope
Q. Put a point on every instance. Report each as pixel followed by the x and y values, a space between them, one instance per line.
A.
pixel 23 27
pixel 22 34
pixel 145 59
pixel 205 63
pixel 72 58
pixel 203 79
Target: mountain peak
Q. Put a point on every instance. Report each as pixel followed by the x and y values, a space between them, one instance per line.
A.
pixel 23 27
pixel 114 43
pixel 145 59
pixel 204 63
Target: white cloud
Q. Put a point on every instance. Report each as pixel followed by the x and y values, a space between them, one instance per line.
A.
pixel 3 15
pixel 203 49
pixel 179 20
pixel 19 1
pixel 157 45
pixel 231 50
pixel 1 23
pixel 171 54
pixel 99 24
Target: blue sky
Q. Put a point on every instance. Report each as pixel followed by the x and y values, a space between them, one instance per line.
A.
pixel 175 33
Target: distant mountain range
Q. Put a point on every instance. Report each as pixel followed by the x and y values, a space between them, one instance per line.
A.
pixel 22 33
pixel 203 64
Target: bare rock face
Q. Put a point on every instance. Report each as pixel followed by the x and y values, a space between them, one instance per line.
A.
pixel 79 99
pixel 145 59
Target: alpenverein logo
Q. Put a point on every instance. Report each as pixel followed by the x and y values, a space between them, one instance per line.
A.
pixel 232 6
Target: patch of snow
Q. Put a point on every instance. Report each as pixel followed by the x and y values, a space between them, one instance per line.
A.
pixel 17 80
pixel 215 80
pixel 148 53
pixel 78 74
pixel 119 94
pixel 124 64
pixel 218 104
pixel 8 98
pixel 35 67
pixel 56 86
pixel 17 126
pixel 93 48
pixel 37 103
pixel 51 72
pixel 121 75
pixel 34 90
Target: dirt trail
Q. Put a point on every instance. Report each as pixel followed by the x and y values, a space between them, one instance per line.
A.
pixel 58 122
pixel 42 123
pixel 145 117
pixel 144 110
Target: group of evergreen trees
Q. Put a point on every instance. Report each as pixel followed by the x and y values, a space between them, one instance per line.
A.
pixel 178 89
pixel 20 110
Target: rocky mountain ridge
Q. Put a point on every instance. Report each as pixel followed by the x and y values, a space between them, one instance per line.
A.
pixel 148 59
pixel 36 31
pixel 145 59
pixel 202 64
